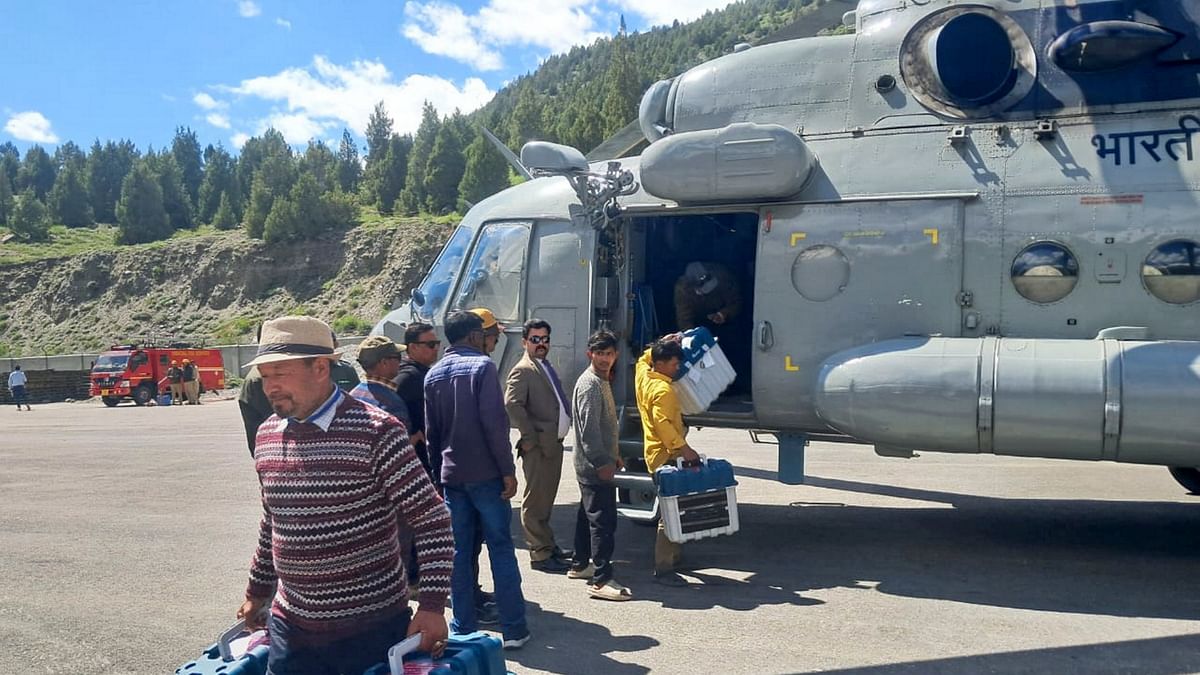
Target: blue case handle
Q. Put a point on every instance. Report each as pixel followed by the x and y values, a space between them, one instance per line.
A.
pixel 232 633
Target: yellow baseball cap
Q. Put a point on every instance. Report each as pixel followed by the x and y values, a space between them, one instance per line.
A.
pixel 489 319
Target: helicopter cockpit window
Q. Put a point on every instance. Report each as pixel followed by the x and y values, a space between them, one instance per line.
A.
pixel 1045 272
pixel 1172 272
pixel 432 294
pixel 493 276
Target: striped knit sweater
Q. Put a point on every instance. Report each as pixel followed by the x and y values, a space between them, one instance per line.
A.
pixel 332 504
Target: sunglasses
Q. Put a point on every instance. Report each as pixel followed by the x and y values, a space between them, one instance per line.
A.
pixel 432 344
pixel 539 340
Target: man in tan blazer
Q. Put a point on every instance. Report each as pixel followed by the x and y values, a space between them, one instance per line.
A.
pixel 536 403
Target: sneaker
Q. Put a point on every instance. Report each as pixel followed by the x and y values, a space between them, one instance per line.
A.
pixel 610 590
pixel 670 579
pixel 551 565
pixel 517 642
pixel 483 597
pixel 487 614
pixel 581 572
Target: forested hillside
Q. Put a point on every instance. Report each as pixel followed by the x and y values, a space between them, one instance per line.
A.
pixel 277 193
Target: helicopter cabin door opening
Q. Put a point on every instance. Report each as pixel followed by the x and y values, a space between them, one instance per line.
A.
pixel 724 245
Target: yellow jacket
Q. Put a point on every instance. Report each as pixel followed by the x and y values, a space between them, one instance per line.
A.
pixel 662 418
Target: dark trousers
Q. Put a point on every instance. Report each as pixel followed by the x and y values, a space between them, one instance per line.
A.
pixel 596 529
pixel 297 652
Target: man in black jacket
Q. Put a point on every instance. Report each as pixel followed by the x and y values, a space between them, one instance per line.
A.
pixel 423 345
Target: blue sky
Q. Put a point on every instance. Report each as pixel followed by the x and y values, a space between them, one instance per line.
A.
pixel 81 70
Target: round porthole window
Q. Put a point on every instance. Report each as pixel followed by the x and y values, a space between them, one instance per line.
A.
pixel 1172 272
pixel 1045 272
pixel 820 272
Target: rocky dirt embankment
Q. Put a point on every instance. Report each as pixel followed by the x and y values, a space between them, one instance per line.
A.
pixel 214 288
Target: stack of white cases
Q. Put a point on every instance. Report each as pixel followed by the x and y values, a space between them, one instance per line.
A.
pixel 681 528
pixel 708 372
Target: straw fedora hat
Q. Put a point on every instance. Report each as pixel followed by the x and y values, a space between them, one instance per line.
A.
pixel 295 337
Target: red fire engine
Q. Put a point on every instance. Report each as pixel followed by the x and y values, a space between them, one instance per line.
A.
pixel 139 371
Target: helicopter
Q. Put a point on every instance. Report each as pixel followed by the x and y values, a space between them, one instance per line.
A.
pixel 965 227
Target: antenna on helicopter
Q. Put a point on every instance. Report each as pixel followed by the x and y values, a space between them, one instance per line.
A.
pixel 509 155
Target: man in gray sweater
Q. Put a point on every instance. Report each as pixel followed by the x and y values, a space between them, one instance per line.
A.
pixel 597 459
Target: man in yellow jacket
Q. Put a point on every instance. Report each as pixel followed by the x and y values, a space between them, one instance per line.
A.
pixel 663 435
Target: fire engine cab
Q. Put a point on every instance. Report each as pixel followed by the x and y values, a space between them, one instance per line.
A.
pixel 139 371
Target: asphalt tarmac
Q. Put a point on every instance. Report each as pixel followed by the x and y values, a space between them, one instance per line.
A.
pixel 125 536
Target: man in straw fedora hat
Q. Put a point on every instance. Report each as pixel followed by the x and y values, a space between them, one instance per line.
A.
pixel 332 466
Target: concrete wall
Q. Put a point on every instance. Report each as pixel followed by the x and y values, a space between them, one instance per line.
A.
pixel 61 377
pixel 46 386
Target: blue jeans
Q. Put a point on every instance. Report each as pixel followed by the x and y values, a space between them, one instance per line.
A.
pixel 479 506
pixel 295 651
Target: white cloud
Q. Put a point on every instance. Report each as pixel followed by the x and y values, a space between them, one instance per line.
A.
pixel 658 13
pixel 444 29
pixel 329 95
pixel 297 128
pixel 248 9
pixel 449 34
pixel 30 126
pixel 238 140
pixel 207 102
pixel 556 25
pixel 218 120
pixel 283 23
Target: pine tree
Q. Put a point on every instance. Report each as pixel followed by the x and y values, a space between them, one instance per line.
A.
pixel 387 177
pixel 261 201
pixel 186 151
pixel 174 194
pixel 281 224
pixel 6 199
pixel 69 154
pixel 349 166
pixel 379 134
pixel 10 162
pixel 445 169
pixel 37 172
pixel 525 123
pixel 412 199
pixel 69 197
pixel 107 167
pixel 225 218
pixel 140 213
pixel 622 86
pixel 270 147
pixel 219 179
pixel 486 172
pixel 320 163
pixel 29 221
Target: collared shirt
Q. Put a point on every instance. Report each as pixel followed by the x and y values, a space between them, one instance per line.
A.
pixel 465 420
pixel 564 414
pixel 322 417
pixel 385 382
pixel 382 394
pixel 662 417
